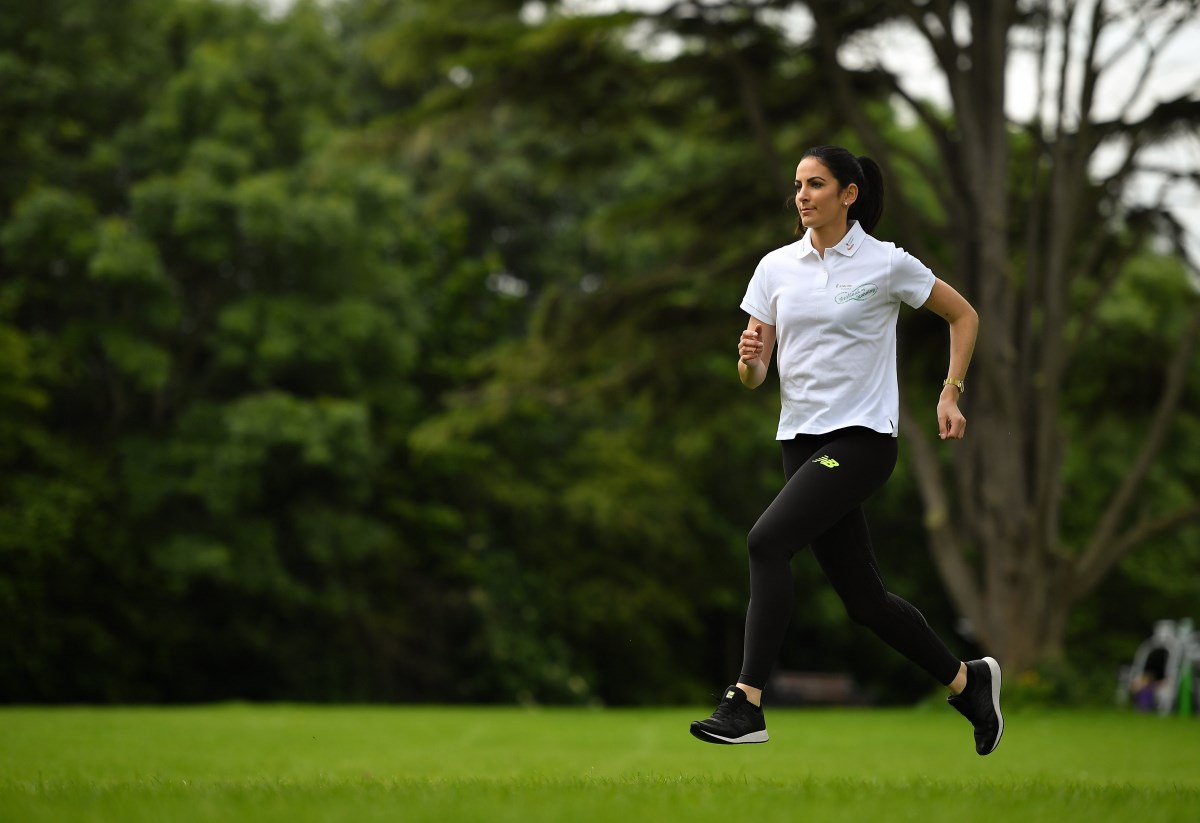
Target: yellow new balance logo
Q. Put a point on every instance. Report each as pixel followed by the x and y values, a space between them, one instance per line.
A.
pixel 826 461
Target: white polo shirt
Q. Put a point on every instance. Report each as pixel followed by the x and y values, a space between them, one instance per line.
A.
pixel 835 324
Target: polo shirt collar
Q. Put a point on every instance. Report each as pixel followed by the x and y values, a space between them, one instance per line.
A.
pixel 804 246
pixel 852 241
pixel 847 247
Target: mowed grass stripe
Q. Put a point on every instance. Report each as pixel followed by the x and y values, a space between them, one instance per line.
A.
pixel 428 763
pixel 647 798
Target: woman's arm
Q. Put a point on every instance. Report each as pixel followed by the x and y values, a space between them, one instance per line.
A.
pixel 964 327
pixel 754 352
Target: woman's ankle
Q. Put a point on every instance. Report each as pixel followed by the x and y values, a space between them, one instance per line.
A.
pixel 959 682
pixel 752 694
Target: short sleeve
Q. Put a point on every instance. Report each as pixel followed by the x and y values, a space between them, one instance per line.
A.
pixel 758 302
pixel 909 279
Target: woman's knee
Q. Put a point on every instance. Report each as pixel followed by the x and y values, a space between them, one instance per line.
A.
pixel 763 544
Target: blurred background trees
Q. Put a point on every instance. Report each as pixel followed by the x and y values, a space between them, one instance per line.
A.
pixel 374 350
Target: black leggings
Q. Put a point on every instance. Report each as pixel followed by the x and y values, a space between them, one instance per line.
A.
pixel 828 478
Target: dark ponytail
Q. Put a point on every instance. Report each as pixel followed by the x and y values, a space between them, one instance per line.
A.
pixel 868 206
pixel 864 172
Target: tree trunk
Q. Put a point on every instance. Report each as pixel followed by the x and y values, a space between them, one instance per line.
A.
pixel 996 538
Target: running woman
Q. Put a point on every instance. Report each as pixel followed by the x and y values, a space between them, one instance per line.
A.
pixel 830 301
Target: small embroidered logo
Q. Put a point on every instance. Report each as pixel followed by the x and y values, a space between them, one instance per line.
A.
pixel 860 294
pixel 827 461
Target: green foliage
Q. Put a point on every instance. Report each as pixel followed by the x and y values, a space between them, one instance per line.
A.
pixel 1063 683
pixel 384 351
pixel 1114 392
pixel 197 361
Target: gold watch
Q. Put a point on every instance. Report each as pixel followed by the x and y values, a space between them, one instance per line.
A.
pixel 958 384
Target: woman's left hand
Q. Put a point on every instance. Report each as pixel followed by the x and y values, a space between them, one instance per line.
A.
pixel 951 423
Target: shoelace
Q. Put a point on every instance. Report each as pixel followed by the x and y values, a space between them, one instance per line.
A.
pixel 724 710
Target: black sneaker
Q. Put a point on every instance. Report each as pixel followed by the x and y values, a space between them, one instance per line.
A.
pixel 736 720
pixel 980 703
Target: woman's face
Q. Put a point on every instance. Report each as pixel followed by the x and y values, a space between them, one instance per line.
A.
pixel 817 197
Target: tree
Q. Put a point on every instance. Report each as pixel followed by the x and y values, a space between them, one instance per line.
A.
pixel 623 461
pixel 208 322
pixel 579 536
pixel 1027 221
pixel 404 330
pixel 1043 233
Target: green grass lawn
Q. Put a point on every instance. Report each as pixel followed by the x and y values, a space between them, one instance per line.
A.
pixel 302 763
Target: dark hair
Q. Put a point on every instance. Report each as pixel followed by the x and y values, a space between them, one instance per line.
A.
pixel 864 172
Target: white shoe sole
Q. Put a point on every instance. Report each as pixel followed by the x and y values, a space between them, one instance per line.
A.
pixel 709 737
pixel 995 669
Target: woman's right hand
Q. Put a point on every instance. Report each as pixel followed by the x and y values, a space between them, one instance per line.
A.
pixel 750 347
pixel 754 352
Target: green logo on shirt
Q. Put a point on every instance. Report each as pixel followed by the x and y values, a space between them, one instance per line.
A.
pixel 861 293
